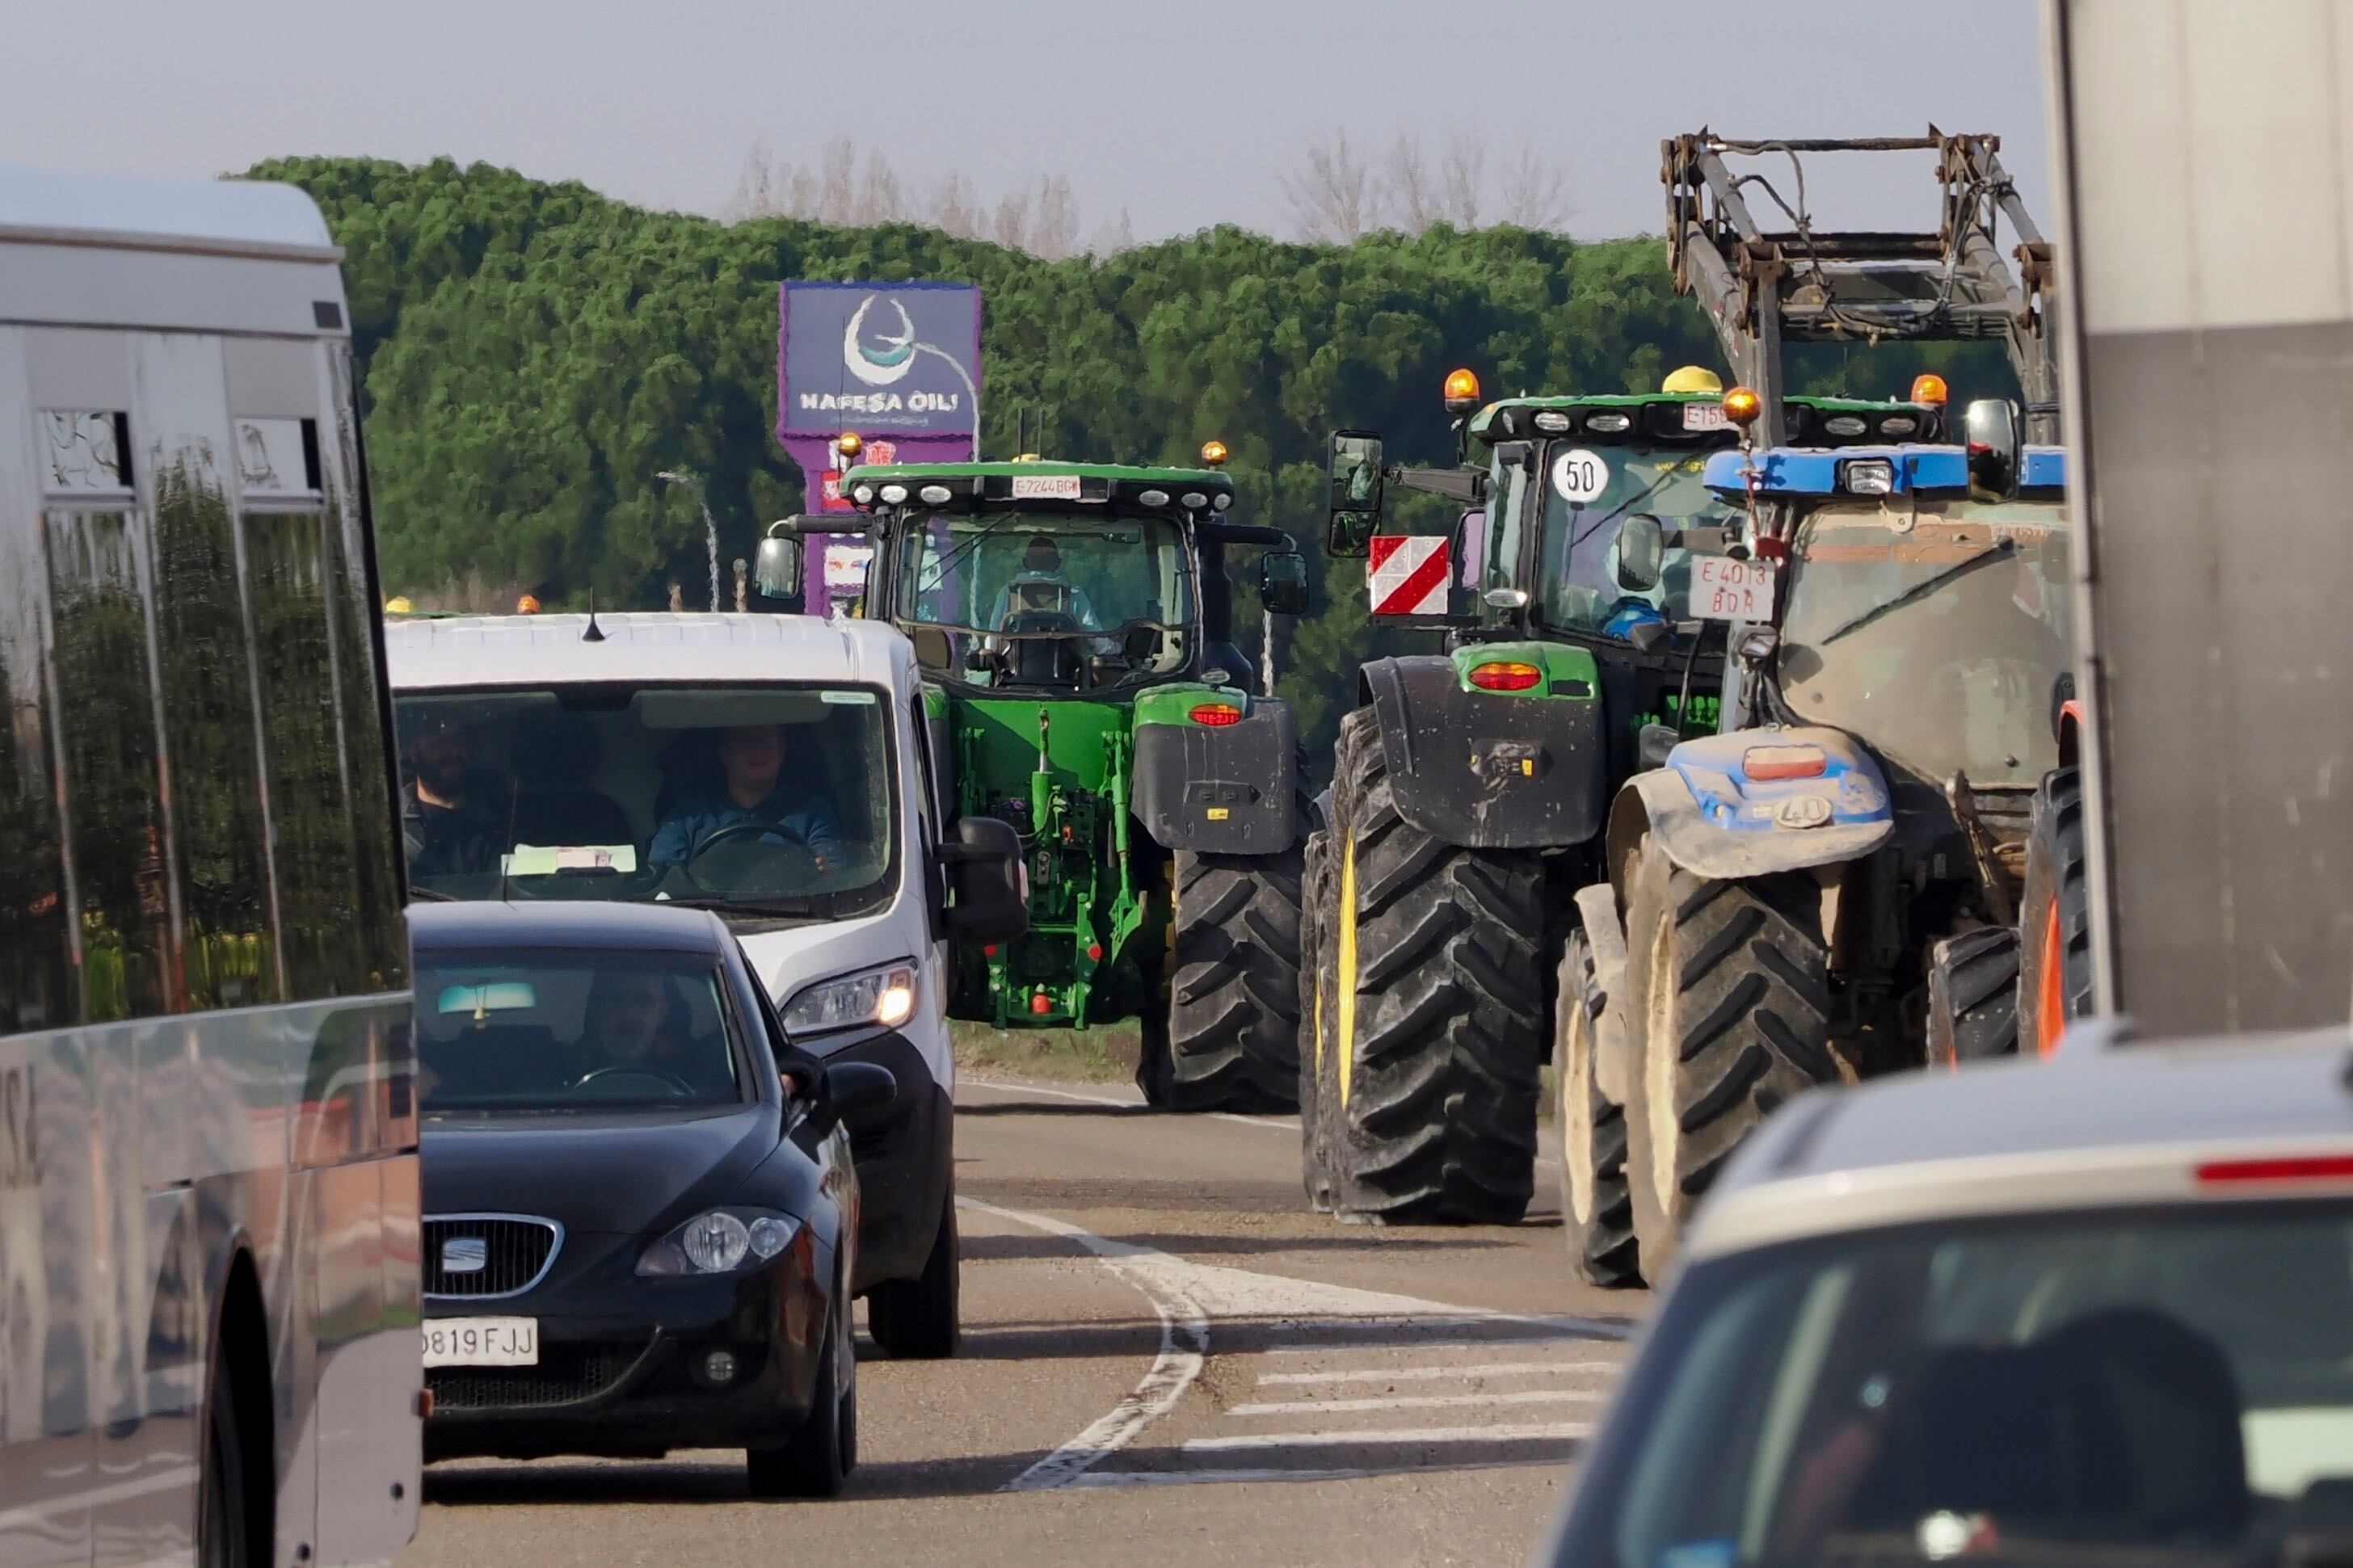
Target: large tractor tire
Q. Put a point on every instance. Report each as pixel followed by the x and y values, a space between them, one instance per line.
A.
pixel 1596 1211
pixel 2054 920
pixel 1233 1003
pixel 1314 1016
pixel 1440 989
pixel 1730 993
pixel 1973 997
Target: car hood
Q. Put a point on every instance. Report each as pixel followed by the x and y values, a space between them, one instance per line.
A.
pixel 613 1174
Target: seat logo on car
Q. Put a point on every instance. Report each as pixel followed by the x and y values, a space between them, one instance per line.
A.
pixel 465 1255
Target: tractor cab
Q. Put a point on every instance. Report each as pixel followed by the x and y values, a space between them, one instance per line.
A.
pixel 1053 578
pixel 1922 613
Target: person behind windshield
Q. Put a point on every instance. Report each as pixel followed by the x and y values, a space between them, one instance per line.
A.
pixel 447 828
pixel 637 1024
pixel 1041 584
pixel 753 789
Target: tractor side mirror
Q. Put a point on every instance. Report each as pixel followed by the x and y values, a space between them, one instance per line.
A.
pixel 989 880
pixel 778 565
pixel 1642 553
pixel 1989 429
pixel 1471 550
pixel 1354 513
pixel 1282 582
pixel 1652 744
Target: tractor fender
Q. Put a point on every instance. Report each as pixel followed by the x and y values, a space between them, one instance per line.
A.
pixel 1708 816
pixel 1613 1062
pixel 1224 789
pixel 1493 770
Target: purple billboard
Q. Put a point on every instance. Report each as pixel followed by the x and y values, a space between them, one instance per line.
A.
pixel 899 364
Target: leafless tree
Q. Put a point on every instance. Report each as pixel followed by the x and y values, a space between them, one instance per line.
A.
pixel 838 185
pixel 1333 194
pixel 1463 177
pixel 1533 190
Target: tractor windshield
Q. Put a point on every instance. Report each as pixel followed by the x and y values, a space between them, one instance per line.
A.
pixel 1038 598
pixel 1934 636
pixel 1589 493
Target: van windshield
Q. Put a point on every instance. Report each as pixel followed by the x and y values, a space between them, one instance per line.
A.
pixel 771 800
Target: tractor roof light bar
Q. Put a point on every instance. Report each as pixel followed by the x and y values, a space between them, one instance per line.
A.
pixel 1800 284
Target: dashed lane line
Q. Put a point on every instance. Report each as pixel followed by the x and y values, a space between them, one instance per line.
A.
pixel 1393 1436
pixel 1429 1373
pixel 1281 1407
pixel 1184 1294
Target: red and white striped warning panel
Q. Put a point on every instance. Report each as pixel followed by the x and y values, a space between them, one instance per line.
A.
pixel 1406 575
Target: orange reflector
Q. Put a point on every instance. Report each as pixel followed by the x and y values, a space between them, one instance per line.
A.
pixel 1763 763
pixel 1503 677
pixel 1217 713
pixel 2284 1168
pixel 1461 390
pixel 1039 1006
pixel 1929 387
pixel 1742 406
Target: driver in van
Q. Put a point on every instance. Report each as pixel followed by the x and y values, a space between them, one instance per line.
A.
pixel 753 789
pixel 446 825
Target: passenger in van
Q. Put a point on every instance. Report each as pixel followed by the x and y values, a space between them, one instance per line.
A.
pixel 753 789
pixel 447 826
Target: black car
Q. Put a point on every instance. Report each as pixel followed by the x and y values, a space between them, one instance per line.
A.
pixel 641 1209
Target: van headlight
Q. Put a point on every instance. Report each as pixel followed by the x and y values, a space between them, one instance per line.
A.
pixel 884 997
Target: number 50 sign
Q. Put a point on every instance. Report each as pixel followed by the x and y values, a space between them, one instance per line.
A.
pixel 1723 589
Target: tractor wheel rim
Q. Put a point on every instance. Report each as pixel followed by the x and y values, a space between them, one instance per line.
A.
pixel 1577 1109
pixel 2051 989
pixel 1343 985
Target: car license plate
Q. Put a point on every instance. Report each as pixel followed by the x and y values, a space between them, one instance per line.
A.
pixel 481 1341
pixel 1723 589
pixel 1704 416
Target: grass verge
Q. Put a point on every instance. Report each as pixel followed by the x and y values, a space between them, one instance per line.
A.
pixel 1104 1053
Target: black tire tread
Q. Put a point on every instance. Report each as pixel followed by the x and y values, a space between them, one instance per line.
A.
pixel 2056 872
pixel 1973 996
pixel 1450 1019
pixel 1601 1248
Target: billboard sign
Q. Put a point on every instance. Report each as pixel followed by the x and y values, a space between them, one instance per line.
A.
pixel 901 359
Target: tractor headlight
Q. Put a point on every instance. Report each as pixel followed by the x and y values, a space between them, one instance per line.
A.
pixel 884 997
pixel 1868 476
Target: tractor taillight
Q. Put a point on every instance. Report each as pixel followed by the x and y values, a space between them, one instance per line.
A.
pixel 1503 676
pixel 1217 713
pixel 1765 763
pixel 1039 1006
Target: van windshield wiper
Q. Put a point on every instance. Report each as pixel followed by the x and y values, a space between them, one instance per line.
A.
pixel 1919 591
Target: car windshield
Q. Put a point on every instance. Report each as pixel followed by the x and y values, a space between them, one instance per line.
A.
pixel 769 800
pixel 2176 1383
pixel 1934 635
pixel 1577 559
pixel 522 1031
pixel 1029 598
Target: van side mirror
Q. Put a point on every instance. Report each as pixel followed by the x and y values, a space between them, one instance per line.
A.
pixel 1989 429
pixel 778 565
pixel 1642 553
pixel 1354 513
pixel 988 880
pixel 1282 582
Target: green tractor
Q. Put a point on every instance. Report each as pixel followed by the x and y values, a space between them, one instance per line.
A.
pixel 1074 625
pixel 1585 596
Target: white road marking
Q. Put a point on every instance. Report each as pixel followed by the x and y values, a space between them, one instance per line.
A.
pixel 1183 1340
pixel 1113 1479
pixel 1184 1294
pixel 1427 1373
pixel 1561 1431
pixel 1513 1330
pixel 1417 1401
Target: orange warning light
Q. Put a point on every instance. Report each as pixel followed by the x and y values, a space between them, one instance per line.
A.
pixel 1461 391
pixel 1742 406
pixel 1929 387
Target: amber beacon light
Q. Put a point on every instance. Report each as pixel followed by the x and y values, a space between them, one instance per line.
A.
pixel 1742 406
pixel 1461 391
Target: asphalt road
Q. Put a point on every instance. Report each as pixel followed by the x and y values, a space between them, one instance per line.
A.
pixel 1165 1353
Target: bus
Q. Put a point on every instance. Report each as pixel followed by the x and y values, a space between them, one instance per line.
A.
pixel 208 1182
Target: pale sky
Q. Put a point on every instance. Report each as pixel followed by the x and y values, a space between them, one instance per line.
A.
pixel 1181 111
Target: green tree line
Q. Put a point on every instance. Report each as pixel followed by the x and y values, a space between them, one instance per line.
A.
pixel 534 353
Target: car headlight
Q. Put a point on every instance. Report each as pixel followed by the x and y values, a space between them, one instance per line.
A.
pixel 719 1242
pixel 885 996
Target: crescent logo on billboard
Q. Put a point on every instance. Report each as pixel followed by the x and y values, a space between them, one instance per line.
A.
pixel 895 356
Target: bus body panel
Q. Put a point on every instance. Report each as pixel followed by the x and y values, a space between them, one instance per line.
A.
pixel 206 1076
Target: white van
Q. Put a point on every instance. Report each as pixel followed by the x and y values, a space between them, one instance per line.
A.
pixel 775 769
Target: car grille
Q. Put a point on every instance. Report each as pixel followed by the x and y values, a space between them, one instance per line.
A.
pixel 514 1252
pixel 566 1374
